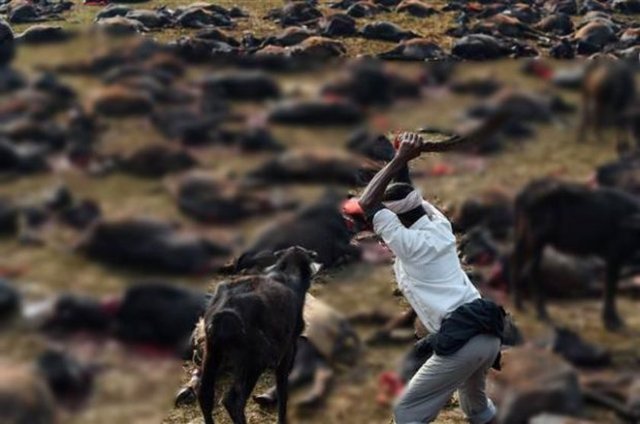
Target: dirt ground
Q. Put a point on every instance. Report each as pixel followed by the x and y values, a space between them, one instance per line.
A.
pixel 135 389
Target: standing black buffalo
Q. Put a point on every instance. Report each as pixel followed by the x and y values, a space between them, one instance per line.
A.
pixel 577 220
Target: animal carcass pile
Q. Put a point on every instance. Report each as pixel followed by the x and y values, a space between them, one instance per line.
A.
pixel 180 206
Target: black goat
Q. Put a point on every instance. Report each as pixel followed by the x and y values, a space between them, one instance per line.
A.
pixel 252 324
pixel 576 220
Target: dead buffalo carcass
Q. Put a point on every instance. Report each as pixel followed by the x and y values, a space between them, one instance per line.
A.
pixel 319 227
pixel 623 174
pixel 314 166
pixel 214 201
pixel 37 393
pixel 152 245
pixel 155 316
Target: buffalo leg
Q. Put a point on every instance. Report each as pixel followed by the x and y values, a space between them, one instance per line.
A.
pixel 598 119
pixel 298 377
pixel 612 320
pixel 282 375
pixel 302 373
pixel 622 137
pixel 206 392
pixel 584 120
pixel 515 279
pixel 304 365
pixel 232 402
pixel 535 285
pixel 236 400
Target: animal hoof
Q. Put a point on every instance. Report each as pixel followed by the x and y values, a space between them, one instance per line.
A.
pixel 265 401
pixel 186 396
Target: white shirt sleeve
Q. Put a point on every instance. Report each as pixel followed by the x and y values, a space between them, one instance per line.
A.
pixel 402 241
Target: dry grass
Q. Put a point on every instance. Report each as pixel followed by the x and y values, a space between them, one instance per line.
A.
pixel 82 17
pixel 139 391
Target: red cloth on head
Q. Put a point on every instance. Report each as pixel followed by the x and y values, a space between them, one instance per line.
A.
pixel 351 207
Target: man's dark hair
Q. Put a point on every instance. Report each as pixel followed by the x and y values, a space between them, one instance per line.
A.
pixel 397 191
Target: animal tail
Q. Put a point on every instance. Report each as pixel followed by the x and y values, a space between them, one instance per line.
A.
pixel 228 328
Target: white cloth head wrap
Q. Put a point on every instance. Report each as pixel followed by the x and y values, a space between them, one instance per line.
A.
pixel 411 201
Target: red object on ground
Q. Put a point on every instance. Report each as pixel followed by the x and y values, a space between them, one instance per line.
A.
pixel 332 98
pixel 11 272
pixel 381 123
pixel 111 305
pixel 497 280
pixel 542 70
pixel 441 169
pixel 485 259
pixel 80 160
pixel 389 388
pixel 474 7
pixel 149 350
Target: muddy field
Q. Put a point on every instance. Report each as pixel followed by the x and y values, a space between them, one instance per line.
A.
pixel 135 388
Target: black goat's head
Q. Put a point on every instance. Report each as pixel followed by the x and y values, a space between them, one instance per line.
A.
pixel 297 261
pixel 297 253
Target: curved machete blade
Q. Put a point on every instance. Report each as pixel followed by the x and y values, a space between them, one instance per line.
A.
pixel 477 135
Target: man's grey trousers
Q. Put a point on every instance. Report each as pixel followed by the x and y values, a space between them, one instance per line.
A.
pixel 432 386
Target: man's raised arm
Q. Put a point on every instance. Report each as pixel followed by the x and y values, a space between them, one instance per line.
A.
pixel 371 199
pixel 403 176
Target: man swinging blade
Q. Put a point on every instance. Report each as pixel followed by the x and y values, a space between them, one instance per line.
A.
pixel 465 330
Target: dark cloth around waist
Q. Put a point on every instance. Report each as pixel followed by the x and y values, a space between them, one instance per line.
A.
pixel 480 316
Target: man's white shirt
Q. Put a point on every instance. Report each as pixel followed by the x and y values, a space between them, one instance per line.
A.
pixel 427 267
